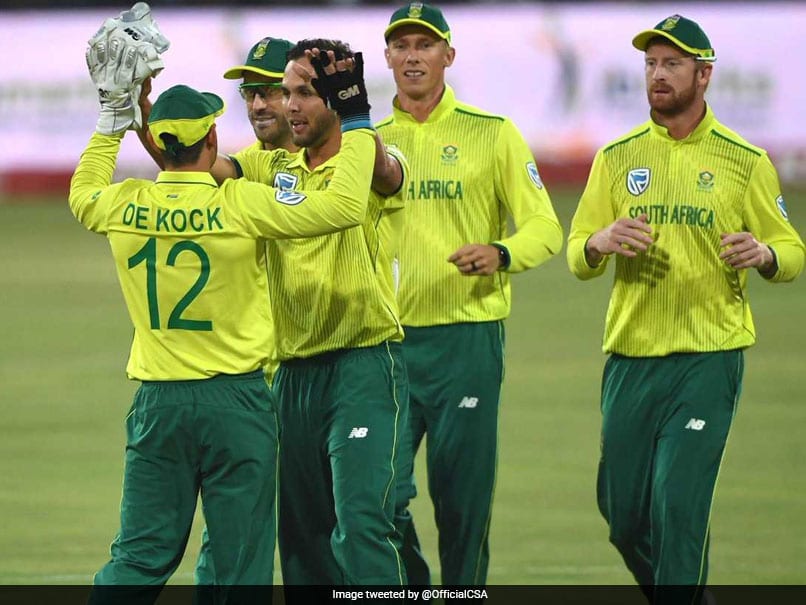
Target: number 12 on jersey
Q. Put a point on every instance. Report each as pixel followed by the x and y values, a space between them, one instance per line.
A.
pixel 148 254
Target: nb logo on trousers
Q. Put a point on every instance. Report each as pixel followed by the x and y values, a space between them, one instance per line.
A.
pixel 695 424
pixel 358 432
pixel 468 402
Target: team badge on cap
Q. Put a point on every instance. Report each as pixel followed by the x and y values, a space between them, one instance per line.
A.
pixel 638 180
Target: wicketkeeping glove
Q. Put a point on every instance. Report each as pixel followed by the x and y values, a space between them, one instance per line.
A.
pixel 120 56
pixel 344 91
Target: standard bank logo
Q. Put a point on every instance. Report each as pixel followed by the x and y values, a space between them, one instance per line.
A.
pixel 285 181
pixel 638 180
pixel 534 175
pixel 779 201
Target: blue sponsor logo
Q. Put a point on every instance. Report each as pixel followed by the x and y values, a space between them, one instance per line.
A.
pixel 534 175
pixel 283 180
pixel 638 180
pixel 779 201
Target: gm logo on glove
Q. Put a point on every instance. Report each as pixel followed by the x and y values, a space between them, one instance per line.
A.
pixel 349 92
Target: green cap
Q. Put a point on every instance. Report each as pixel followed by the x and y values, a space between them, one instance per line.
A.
pixel 419 13
pixel 185 113
pixel 682 32
pixel 267 58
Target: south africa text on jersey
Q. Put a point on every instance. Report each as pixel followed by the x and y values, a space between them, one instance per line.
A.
pixel 435 189
pixel 172 220
pixel 661 214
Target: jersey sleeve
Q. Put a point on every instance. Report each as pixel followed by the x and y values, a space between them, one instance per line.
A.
pixel 272 213
pixel 594 212
pixel 765 216
pixel 90 186
pixel 538 234
pixel 398 199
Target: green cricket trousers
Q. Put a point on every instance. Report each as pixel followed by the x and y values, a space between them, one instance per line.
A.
pixel 455 376
pixel 216 436
pixel 665 423
pixel 341 416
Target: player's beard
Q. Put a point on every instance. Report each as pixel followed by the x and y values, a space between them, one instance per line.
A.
pixel 274 136
pixel 675 102
pixel 318 130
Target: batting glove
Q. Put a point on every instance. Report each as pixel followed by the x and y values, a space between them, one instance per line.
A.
pixel 344 91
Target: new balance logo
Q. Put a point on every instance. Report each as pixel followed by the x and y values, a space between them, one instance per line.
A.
pixel 358 432
pixel 695 424
pixel 469 402
pixel 352 91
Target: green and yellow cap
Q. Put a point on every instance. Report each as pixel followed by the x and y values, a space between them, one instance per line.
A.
pixel 682 32
pixel 185 113
pixel 419 13
pixel 267 58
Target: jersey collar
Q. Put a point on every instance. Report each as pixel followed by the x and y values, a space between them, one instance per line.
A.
pixel 446 105
pixel 299 161
pixel 703 128
pixel 186 178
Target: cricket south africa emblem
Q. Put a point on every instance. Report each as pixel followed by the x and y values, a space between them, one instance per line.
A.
pixel 705 181
pixel 260 51
pixel 638 180
pixel 450 154
pixel 534 175
pixel 416 10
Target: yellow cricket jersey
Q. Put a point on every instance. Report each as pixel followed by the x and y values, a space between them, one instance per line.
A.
pixel 679 296
pixel 335 291
pixel 188 257
pixel 470 170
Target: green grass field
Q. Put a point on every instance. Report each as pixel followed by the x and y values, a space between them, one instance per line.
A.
pixel 65 337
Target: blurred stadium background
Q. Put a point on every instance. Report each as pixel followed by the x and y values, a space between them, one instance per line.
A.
pixel 568 76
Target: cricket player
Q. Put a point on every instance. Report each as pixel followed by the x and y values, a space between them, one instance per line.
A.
pixel 686 206
pixel 186 249
pixel 261 77
pixel 341 385
pixel 471 172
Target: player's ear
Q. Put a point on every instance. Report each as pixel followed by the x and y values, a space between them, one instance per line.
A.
pixel 388 58
pixel 450 56
pixel 212 138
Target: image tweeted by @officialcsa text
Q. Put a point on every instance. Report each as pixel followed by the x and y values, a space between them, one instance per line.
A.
pixel 409 594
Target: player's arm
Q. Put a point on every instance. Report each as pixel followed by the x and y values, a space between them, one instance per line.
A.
pixel 538 234
pixel 340 84
pixel 387 177
pixel 276 214
pixel 92 178
pixel 593 236
pixel 770 244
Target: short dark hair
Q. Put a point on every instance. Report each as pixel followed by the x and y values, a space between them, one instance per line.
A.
pixel 341 49
pixel 176 154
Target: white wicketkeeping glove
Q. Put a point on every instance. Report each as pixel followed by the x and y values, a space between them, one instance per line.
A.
pixel 124 52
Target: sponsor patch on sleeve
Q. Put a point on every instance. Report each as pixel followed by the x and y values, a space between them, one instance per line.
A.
pixel 290 198
pixel 534 175
pixel 779 201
